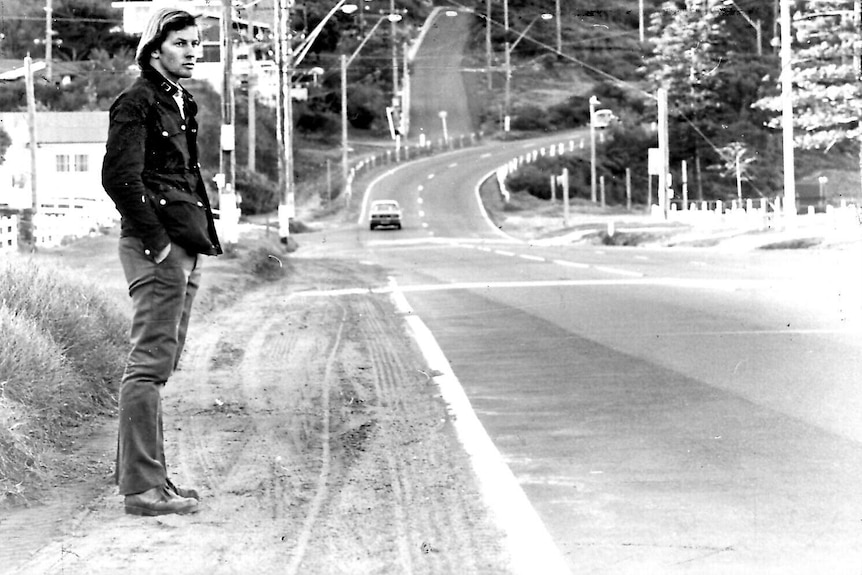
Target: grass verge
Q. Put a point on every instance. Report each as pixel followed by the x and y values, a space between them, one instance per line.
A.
pixel 62 347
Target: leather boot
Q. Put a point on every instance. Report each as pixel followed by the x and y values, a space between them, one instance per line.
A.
pixel 159 501
pixel 187 492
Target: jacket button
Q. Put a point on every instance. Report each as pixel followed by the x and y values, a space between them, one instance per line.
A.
pixel 183 128
pixel 162 202
pixel 200 204
pixel 144 199
pixel 147 252
pixel 165 133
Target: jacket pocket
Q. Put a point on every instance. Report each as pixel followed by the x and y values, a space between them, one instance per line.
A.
pixel 184 217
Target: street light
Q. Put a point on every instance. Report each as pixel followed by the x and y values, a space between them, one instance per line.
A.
pixel 509 48
pixel 286 62
pixel 345 62
pixel 593 103
pixel 756 25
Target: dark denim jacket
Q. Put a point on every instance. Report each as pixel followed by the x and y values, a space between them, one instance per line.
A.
pixel 151 169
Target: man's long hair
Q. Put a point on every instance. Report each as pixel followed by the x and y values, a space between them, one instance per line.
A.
pixel 162 23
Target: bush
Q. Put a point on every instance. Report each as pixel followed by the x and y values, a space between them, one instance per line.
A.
pixel 259 194
pixel 535 178
pixel 317 123
pixel 572 113
pixel 267 263
pixel 530 118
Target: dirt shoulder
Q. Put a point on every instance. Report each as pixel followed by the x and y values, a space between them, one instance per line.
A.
pixel 309 425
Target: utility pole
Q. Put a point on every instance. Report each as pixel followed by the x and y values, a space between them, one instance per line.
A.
pixel 663 147
pixel 641 21
pixel 227 167
pixel 31 124
pixel 593 102
pixel 345 172
pixel 559 28
pixel 251 84
pixel 284 117
pixel 49 39
pixel 227 164
pixel 787 111
pixel 488 45
pixel 395 70
pixel 506 16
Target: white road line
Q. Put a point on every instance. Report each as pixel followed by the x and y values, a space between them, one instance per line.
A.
pixel 532 258
pixel 503 253
pixel 421 213
pixel 571 264
pixel 711 284
pixel 619 272
pixel 430 176
pixel 528 541
pixel 420 201
pixel 453 165
pixel 486 155
pixel 642 258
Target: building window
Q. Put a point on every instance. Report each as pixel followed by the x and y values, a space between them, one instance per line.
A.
pixel 82 163
pixel 62 162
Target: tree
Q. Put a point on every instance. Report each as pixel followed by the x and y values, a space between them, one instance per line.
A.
pixel 80 27
pixel 826 91
pixel 709 82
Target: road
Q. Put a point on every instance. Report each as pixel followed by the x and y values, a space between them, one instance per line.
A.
pixel 666 410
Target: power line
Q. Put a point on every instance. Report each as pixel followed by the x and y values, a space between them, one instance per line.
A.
pixel 64 19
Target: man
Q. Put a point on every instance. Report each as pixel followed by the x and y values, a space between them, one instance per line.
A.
pixel 151 172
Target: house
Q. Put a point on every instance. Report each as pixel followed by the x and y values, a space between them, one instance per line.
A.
pixel 68 161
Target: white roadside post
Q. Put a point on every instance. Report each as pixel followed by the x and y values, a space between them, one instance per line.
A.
pixel 565 177
pixel 443 114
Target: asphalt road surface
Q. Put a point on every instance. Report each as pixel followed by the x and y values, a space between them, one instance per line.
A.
pixel 665 410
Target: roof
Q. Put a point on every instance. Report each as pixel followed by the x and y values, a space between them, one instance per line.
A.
pixel 15 69
pixel 61 127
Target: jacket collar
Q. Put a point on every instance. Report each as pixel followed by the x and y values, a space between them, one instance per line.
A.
pixel 163 83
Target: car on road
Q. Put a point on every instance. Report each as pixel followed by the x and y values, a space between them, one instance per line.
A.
pixel 384 213
pixel 604 118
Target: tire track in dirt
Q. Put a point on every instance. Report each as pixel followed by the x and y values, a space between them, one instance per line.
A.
pixel 323 477
pixel 387 367
pixel 321 447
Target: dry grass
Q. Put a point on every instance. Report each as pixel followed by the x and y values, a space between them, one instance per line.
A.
pixel 62 349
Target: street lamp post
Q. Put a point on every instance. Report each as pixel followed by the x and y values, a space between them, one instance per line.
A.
pixel 509 48
pixel 345 62
pixel 754 24
pixel 49 40
pixel 286 62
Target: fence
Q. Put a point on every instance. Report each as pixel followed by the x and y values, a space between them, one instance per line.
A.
pixel 757 213
pixel 8 233
pixel 406 153
pixel 68 218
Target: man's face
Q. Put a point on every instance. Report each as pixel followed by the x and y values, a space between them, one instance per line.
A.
pixel 175 58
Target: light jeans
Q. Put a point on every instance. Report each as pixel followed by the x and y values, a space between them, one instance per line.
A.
pixel 162 296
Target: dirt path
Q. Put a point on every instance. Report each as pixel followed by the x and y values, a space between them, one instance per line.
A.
pixel 318 444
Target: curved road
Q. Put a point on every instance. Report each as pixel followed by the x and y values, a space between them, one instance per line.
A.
pixel 436 84
pixel 666 411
